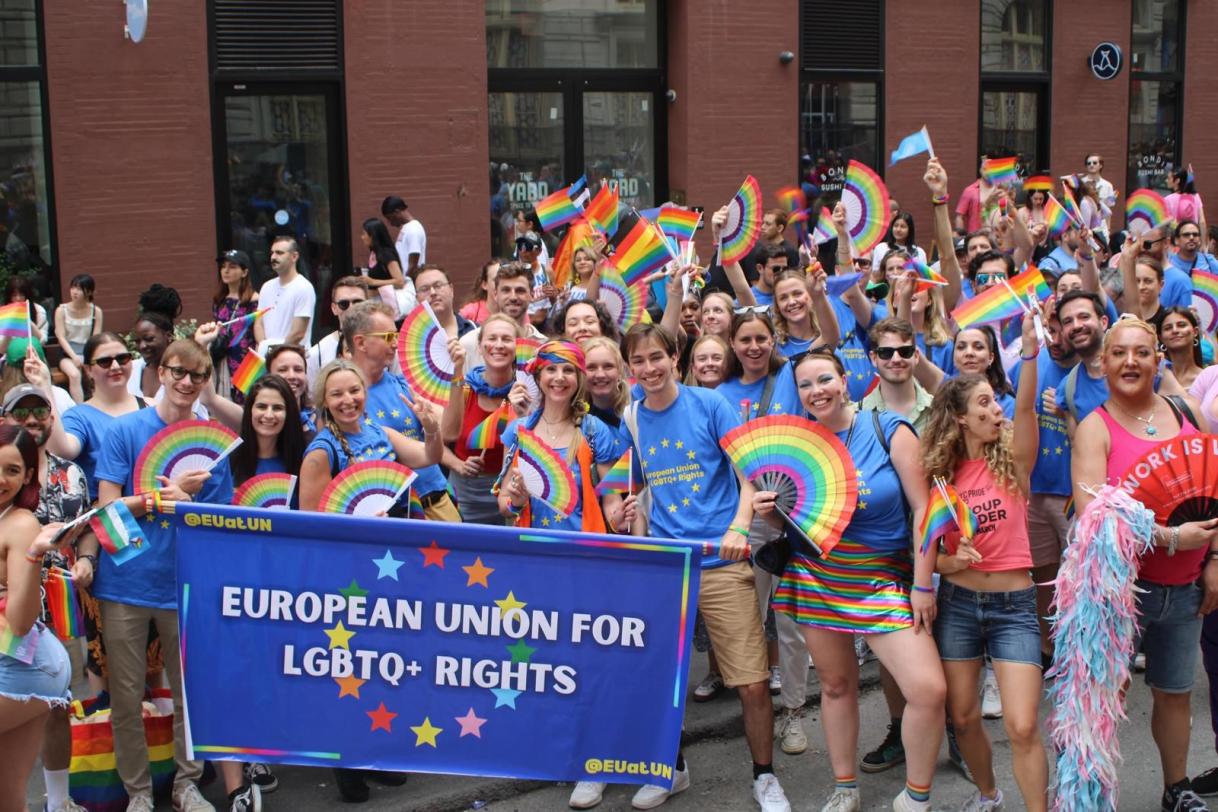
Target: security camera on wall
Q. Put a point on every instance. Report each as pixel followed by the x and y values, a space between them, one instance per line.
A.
pixel 137 20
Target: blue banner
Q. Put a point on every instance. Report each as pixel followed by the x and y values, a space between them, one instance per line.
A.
pixel 391 644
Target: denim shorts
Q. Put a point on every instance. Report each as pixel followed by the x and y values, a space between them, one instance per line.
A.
pixel 1169 628
pixel 1004 624
pixel 46 679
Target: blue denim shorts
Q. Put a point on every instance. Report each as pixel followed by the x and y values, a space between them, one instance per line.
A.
pixel 969 624
pixel 46 679
pixel 1171 631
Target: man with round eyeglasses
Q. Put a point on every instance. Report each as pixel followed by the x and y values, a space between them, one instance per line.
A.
pixel 347 291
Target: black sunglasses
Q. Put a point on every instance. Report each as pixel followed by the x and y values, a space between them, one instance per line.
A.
pixel 107 361
pixel 1148 245
pixel 886 353
pixel 343 304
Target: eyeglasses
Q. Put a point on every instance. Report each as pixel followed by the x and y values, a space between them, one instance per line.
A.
pixel 987 278
pixel 343 304
pixel 390 336
pixel 886 353
pixel 862 263
pixel 1190 235
pixel 107 361
pixel 22 413
pixel 430 289
pixel 179 373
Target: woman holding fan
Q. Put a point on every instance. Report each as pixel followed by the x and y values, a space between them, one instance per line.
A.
pixel 987 600
pixel 868 584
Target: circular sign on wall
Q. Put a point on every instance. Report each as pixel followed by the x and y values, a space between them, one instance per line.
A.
pixel 1106 60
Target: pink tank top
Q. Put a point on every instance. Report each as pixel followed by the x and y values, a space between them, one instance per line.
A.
pixel 1124 450
pixel 1002 520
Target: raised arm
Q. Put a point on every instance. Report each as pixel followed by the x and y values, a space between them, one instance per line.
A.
pixel 1087 270
pixel 936 180
pixel 1127 264
pixel 1027 425
pixel 733 271
pixel 826 317
pixel 59 441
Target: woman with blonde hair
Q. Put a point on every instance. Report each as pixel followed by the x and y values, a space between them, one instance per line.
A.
pixel 803 318
pixel 708 361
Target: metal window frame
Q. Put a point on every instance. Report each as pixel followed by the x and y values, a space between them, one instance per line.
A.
pixel 1039 82
pixel 1176 77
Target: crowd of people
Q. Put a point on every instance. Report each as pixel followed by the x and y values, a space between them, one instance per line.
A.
pixel 1018 417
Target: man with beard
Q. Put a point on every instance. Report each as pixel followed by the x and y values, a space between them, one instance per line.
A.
pixel 287 300
pixel 1083 388
pixel 513 292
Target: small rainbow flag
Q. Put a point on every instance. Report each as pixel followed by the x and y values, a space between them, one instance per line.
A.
pixel 619 478
pixel 791 198
pixel 1038 183
pixel 1145 209
pixel 638 250
pixel 1068 510
pixel 937 521
pixel 62 605
pixel 1071 207
pixel 414 507
pixel 15 320
pixel 251 368
pixel 119 533
pixel 486 433
pixel 679 223
pixel 994 305
pixel 927 277
pixel 1000 171
pixel 825 229
pixel 601 211
pixel 1031 281
pixel 1057 217
pixel 556 209
pixel 20 648
pixel 243 323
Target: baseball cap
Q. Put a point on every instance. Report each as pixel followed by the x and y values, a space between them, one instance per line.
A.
pixel 529 239
pixel 391 204
pixel 238 257
pixel 18 393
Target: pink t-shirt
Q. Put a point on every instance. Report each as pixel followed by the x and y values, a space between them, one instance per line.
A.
pixel 969 206
pixel 1002 520
pixel 1205 390
pixel 1184 206
pixel 1125 449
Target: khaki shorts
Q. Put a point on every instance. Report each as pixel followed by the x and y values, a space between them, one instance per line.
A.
pixel 727 600
pixel 442 510
pixel 1047 528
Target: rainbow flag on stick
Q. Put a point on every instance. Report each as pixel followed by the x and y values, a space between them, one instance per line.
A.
pixel 638 248
pixel 119 533
pixel 945 510
pixel 1031 281
pixel 1000 171
pixel 63 606
pixel 927 277
pixel 579 235
pixel 679 223
pixel 791 198
pixel 1057 217
pixel 994 305
pixel 244 323
pixel 1038 183
pixel 601 211
pixel 15 320
pixel 619 478
pixel 557 209
pixel 487 433
pixel 251 368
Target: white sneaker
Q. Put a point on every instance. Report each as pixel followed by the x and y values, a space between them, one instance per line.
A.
pixel 187 798
pixel 991 700
pixel 139 803
pixel 769 795
pixel 652 795
pixel 1139 662
pixel 843 800
pixel 67 806
pixel 979 804
pixel 903 803
pixel 775 681
pixel 586 794
pixel 791 731
pixel 709 688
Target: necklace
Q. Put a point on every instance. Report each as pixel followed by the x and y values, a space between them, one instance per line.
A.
pixel 551 433
pixel 1150 429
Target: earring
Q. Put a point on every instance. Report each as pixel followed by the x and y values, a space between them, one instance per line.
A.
pixel 1197 341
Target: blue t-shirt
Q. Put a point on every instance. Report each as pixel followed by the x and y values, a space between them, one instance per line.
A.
pixel 881 519
pixel 1177 285
pixel 852 348
pixel 385 408
pixel 784 397
pixel 941 355
pixel 603 444
pixel 1058 261
pixel 88 425
pixel 149 578
pixel 694 493
pixel 372 443
pixel 794 346
pixel 763 299
pixel 1089 393
pixel 1051 474
pixel 271 465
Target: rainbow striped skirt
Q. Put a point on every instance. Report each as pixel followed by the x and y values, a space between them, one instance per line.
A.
pixel 855 589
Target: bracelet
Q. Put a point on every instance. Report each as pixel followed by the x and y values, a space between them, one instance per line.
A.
pixel 1087 257
pixel 152 501
pixel 92 559
pixel 512 509
pixel 925 590
pixel 33 557
pixel 940 200
pixel 1173 541
pixel 744 531
pixel 1031 357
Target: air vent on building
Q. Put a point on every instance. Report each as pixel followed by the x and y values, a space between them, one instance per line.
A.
pixel 277 35
pixel 841 35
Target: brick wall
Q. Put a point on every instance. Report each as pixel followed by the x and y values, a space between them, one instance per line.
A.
pixel 416 123
pixel 1200 138
pixel 132 157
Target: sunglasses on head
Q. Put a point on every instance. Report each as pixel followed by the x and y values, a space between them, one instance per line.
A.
pixel 179 373
pixel 886 353
pixel 22 413
pixel 107 361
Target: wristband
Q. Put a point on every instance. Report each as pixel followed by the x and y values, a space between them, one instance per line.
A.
pixel 925 590
pixel 512 509
pixel 33 558
pixel 940 200
pixel 1175 539
pixel 92 559
pixel 1087 257
pixel 744 531
pixel 1031 357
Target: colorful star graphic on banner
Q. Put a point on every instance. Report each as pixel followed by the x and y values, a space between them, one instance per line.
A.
pixel 433 554
pixel 339 636
pixel 509 605
pixel 349 686
pixel 521 652
pixel 505 697
pixel 382 719
pixel 471 724
pixel 478 573
pixel 353 590
pixel 426 733
pixel 387 566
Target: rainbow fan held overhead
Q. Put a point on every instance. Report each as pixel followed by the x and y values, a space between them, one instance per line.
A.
pixel 1145 209
pixel 739 233
pixel 626 303
pixel 366 488
pixel 268 491
pixel 547 476
pixel 867 212
pixel 423 356
pixel 188 445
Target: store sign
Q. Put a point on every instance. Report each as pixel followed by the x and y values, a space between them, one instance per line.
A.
pixel 1106 60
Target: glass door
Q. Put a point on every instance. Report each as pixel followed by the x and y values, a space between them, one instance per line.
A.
pixel 526 150
pixel 619 144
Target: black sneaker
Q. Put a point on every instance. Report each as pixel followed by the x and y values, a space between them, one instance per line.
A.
pixel 246 799
pixel 1206 784
pixel 351 785
pixel 1181 798
pixel 386 778
pixel 953 755
pixel 260 775
pixel 889 754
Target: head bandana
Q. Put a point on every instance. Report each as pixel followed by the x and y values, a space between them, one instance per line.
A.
pixel 557 352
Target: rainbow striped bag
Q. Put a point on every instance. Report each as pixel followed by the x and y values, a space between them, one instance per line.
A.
pixel 93 779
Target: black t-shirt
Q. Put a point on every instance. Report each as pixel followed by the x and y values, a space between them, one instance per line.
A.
pixel 717 277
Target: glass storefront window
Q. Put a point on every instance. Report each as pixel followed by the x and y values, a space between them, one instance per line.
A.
pixel 526 149
pixel 838 121
pixel 562 34
pixel 1009 126
pixel 618 136
pixel 25 233
pixel 1154 42
pixel 1153 133
pixel 18 33
pixel 1013 36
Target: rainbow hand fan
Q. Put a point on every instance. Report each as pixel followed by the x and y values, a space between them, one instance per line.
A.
pixel 626 303
pixel 366 488
pixel 1145 209
pixel 739 233
pixel 1205 299
pixel 867 212
pixel 268 491
pixel 809 468
pixel 1178 480
pixel 423 355
pixel 526 351
pixel 188 445
pixel 547 476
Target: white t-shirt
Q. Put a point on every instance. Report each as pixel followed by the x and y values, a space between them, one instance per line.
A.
pixel 295 299
pixel 412 239
pixel 320 354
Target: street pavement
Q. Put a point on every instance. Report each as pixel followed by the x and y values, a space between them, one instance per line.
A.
pixel 721 769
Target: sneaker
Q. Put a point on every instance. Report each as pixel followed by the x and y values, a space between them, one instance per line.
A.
pixel 652 795
pixel 843 800
pixel 709 688
pixel 991 700
pixel 139 803
pixel 260 775
pixel 67 806
pixel 775 681
pixel 953 755
pixel 187 798
pixel 246 799
pixel 903 803
pixel 1139 663
pixel 1206 784
pixel 980 804
pixel 351 785
pixel 861 650
pixel 386 778
pixel 1181 798
pixel 587 794
pixel 889 754
pixel 791 731
pixel 769 795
